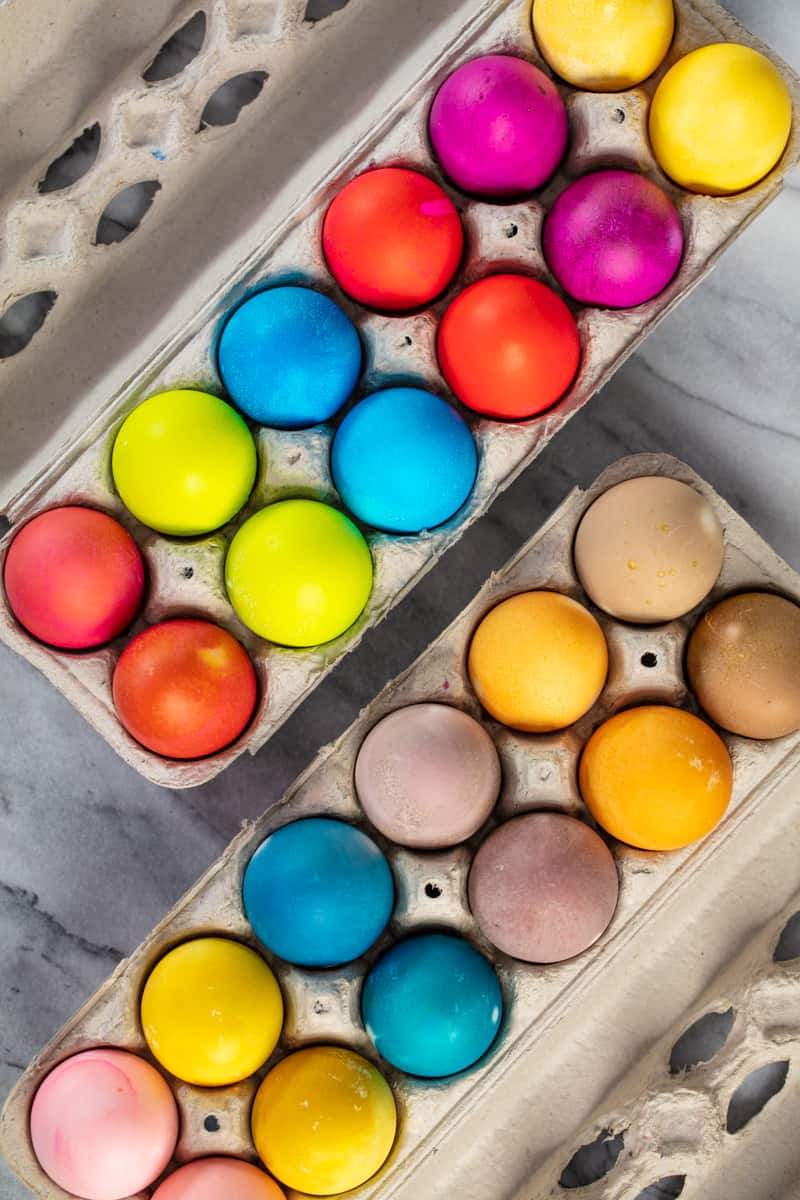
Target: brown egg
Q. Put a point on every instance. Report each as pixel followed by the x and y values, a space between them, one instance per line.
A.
pixel 543 887
pixel 743 663
pixel 648 549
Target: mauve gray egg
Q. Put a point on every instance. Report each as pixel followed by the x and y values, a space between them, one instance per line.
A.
pixel 543 887
pixel 427 776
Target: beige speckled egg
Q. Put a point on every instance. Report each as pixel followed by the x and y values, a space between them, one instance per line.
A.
pixel 649 549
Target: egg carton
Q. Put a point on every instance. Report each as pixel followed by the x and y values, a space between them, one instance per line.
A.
pixel 186 576
pixel 451 1129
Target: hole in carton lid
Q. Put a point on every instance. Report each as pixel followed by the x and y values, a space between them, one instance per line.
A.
pixel 788 946
pixel 227 102
pixel 22 320
pixel 701 1041
pixel 211 1123
pixel 433 891
pixel 649 659
pixel 317 10
pixel 73 164
pixel 668 1188
pixel 123 214
pixel 178 50
pixel 594 1160
pixel 755 1090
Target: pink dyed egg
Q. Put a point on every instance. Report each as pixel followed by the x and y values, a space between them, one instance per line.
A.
pixel 218 1179
pixel 498 127
pixel 104 1124
pixel 74 577
pixel 427 776
pixel 613 239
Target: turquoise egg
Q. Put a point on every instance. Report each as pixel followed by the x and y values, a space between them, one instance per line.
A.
pixel 432 1005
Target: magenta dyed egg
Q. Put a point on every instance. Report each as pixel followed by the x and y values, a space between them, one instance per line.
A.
pixel 498 127
pixel 613 239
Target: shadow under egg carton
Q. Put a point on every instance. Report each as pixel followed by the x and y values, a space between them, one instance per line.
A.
pixel 539 772
pixel 187 576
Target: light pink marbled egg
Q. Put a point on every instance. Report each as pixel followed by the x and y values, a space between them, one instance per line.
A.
pixel 427 776
pixel 218 1179
pixel 104 1124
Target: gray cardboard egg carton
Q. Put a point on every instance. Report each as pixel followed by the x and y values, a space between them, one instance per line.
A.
pixel 186 577
pixel 474 1135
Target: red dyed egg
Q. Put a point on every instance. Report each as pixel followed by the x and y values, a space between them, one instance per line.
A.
pixel 392 239
pixel 184 688
pixel 509 347
pixel 74 577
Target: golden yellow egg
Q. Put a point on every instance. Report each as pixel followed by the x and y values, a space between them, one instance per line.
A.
pixel 720 119
pixel 603 45
pixel 656 777
pixel 538 661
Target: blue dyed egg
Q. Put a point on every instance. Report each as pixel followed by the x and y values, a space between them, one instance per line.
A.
pixel 289 357
pixel 432 1005
pixel 403 460
pixel 318 892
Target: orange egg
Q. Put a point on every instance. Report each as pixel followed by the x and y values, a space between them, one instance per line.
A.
pixel 655 777
pixel 538 661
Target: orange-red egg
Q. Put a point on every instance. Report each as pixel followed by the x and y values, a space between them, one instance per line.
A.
pixel 509 347
pixel 74 578
pixel 392 239
pixel 184 688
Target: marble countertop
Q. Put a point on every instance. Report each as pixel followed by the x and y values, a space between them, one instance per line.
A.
pixel 92 856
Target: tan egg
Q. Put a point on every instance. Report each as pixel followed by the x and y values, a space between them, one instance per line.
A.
pixel 648 549
pixel 743 663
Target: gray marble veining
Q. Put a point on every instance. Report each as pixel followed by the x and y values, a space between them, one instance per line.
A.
pixel 91 856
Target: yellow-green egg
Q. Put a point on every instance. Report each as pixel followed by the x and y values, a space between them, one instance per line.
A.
pixel 298 573
pixel 184 462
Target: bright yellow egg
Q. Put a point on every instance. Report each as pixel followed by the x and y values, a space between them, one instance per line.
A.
pixel 324 1120
pixel 720 119
pixel 538 661
pixel 298 573
pixel 184 462
pixel 603 45
pixel 656 777
pixel 212 1011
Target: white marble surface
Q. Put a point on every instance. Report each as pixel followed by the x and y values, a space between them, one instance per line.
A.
pixel 91 856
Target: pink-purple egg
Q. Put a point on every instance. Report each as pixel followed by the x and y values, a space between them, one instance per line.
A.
pixel 613 239
pixel 498 127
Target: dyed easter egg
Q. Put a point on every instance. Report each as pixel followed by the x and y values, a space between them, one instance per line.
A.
pixel 543 887
pixel 508 346
pixel 298 573
pixel 403 460
pixel 614 239
pixel 215 1178
pixel 74 578
pixel 720 119
pixel 318 892
pixel 743 664
pixel 211 1011
pixel 498 127
pixel 289 357
pixel 184 462
pixel 538 661
pixel 603 45
pixel 432 1005
pixel 103 1124
pixel 324 1120
pixel 184 688
pixel 649 549
pixel 427 776
pixel 392 239
pixel 656 777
